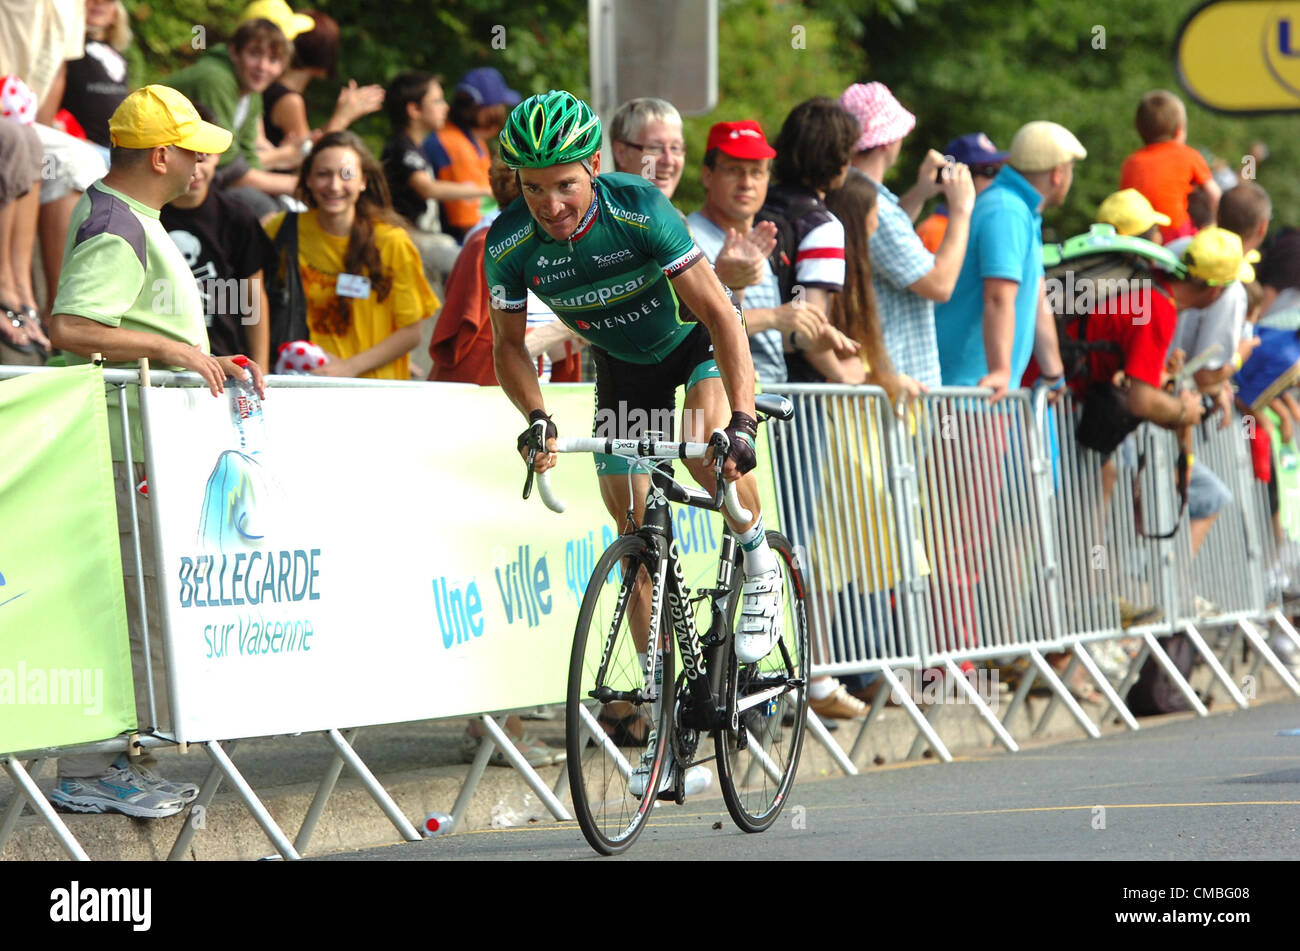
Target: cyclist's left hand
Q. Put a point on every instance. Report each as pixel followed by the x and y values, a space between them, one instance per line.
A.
pixel 742 434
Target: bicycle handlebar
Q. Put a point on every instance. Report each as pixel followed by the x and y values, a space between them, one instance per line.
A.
pixel 644 449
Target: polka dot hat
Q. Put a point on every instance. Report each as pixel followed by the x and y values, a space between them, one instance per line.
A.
pixel 17 101
pixel 299 356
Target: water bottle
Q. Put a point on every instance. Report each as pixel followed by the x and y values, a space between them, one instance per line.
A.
pixel 246 410
pixel 436 823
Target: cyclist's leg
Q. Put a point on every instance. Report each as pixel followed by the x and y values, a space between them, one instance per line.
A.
pixel 706 408
pixel 621 388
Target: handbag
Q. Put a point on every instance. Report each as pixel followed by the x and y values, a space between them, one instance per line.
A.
pixel 287 299
pixel 1105 420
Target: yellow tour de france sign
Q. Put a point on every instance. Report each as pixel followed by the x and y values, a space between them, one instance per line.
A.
pixel 1241 55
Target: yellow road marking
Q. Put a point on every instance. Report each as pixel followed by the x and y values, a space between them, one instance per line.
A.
pixel 669 823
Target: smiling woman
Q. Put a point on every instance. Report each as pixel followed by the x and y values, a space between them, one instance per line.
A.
pixel 365 286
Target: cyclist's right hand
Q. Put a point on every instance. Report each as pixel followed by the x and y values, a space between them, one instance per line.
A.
pixel 530 441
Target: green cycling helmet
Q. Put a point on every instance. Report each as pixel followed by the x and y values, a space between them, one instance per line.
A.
pixel 1102 239
pixel 549 129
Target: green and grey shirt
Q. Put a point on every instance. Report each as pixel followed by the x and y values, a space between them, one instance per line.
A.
pixel 609 282
pixel 122 269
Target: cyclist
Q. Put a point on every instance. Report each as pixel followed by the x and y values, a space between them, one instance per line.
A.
pixel 613 259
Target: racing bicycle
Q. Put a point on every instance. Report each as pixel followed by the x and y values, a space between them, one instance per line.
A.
pixel 636 717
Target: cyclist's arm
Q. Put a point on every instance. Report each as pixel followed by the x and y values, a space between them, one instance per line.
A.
pixel 516 371
pixel 699 288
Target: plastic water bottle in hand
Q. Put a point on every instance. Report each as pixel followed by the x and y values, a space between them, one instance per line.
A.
pixel 246 410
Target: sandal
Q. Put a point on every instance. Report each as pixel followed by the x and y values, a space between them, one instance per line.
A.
pixel 13 330
pixel 619 730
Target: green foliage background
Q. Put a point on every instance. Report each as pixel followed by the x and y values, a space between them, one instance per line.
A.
pixel 960 66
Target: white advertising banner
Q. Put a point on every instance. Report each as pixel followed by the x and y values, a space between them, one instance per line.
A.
pixel 367 558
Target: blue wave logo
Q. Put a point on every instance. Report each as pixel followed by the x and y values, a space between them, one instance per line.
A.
pixel 230 518
pixel 7 600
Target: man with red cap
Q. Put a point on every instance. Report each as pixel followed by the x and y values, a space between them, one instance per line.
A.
pixel 737 168
pixel 908 279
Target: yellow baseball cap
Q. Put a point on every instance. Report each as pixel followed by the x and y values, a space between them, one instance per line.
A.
pixel 1130 213
pixel 1040 146
pixel 279 13
pixel 159 115
pixel 1215 257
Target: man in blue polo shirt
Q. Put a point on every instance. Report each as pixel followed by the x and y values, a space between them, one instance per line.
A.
pixel 997 315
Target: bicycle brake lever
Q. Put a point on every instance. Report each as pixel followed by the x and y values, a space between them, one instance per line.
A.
pixel 536 435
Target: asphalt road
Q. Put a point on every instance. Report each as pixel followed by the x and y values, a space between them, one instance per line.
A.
pixel 1222 788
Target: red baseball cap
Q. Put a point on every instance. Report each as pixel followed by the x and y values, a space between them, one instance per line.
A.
pixel 742 140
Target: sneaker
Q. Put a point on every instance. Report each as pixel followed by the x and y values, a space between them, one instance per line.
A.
pixel 696 780
pixel 1131 615
pixel 541 713
pixel 536 753
pixel 185 792
pixel 841 705
pixel 118 789
pixel 760 617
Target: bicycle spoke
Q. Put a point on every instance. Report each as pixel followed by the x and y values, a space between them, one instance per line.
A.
pixel 757 778
pixel 602 739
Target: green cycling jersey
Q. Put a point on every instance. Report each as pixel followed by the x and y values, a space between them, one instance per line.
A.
pixel 610 281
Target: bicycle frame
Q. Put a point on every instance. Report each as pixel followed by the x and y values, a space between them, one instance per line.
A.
pixel 669 593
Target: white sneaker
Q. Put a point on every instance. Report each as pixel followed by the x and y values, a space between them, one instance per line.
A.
pixel 697 779
pixel 760 617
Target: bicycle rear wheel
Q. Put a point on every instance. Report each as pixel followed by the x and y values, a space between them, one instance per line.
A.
pixel 607 740
pixel 758 761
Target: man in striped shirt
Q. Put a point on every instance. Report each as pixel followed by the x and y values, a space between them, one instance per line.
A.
pixel 812 156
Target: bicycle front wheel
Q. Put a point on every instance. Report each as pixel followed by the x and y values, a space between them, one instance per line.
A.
pixel 757 762
pixel 617 744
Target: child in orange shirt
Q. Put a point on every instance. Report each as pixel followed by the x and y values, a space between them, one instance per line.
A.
pixel 1166 170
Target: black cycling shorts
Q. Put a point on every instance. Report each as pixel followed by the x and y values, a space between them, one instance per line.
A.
pixel 634 398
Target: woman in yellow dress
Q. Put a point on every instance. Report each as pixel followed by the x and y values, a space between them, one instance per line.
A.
pixel 361 274
pixel 855 554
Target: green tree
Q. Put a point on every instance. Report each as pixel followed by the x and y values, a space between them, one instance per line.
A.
pixel 992 67
pixel 771 56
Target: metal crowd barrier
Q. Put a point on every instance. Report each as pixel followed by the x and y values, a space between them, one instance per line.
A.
pixel 957 532
pixel 968 532
pixel 841 488
pixel 985 523
pixel 23 766
pixel 1230 571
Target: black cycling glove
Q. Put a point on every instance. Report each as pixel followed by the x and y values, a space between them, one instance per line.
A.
pixel 742 433
pixel 533 434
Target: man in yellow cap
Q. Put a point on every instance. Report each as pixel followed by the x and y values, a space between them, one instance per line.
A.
pixel 126 291
pixel 1132 215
